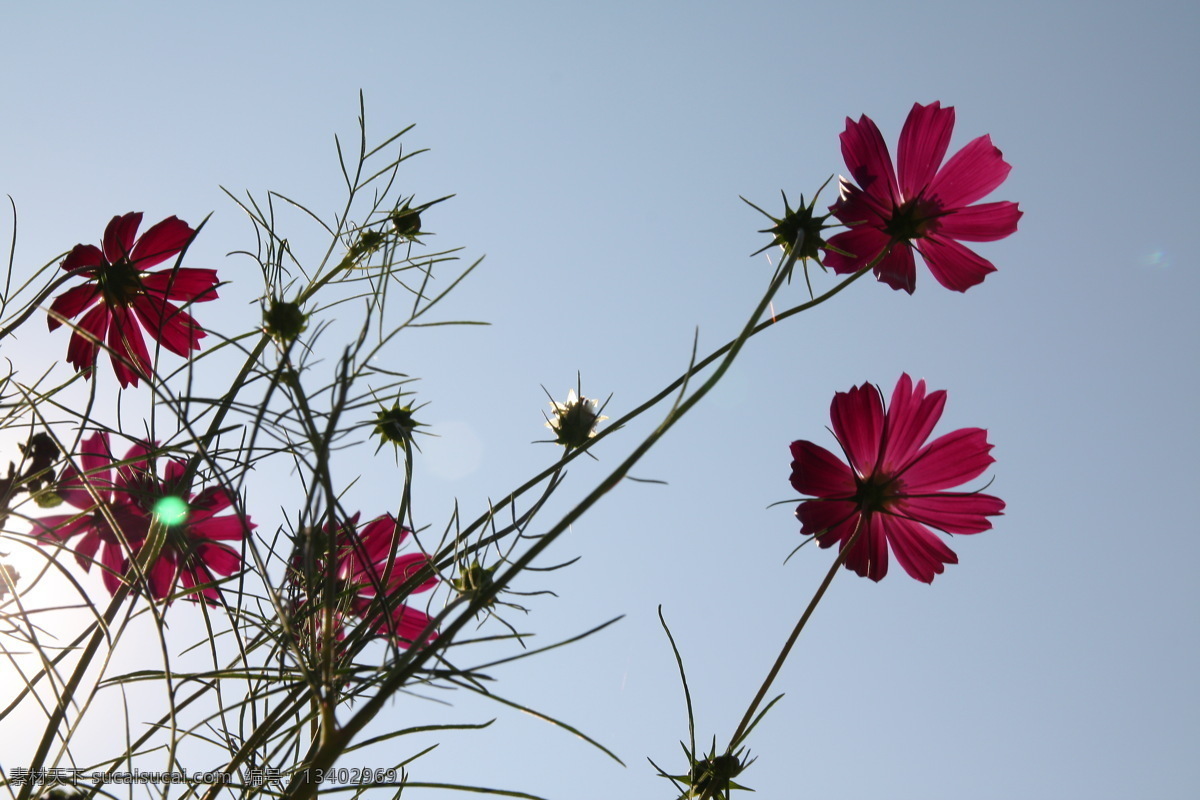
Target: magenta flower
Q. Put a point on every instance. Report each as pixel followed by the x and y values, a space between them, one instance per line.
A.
pixel 92 491
pixel 893 490
pixel 927 209
pixel 194 552
pixel 121 297
pixel 366 562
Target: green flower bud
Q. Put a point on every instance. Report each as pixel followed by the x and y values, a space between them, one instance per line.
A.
pixel 395 425
pixel 474 580
pixel 284 321
pixel 575 420
pixel 798 230
pixel 407 222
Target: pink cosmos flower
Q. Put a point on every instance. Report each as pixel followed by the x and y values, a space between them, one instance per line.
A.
pixel 194 551
pixel 893 490
pixel 926 209
pixel 121 297
pixel 92 491
pixel 365 562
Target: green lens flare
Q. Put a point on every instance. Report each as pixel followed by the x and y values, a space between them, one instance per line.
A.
pixel 171 511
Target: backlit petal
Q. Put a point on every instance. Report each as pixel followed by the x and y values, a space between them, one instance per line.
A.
pixel 948 461
pixel 985 222
pixel 127 348
pixel 857 417
pixel 868 159
pixel 84 255
pixel 185 283
pixel 220 558
pixel 898 269
pixel 72 302
pixel 971 174
pixel 161 242
pixel 227 528
pixel 864 243
pixel 923 144
pixel 954 266
pixel 920 552
pixel 819 473
pixel 119 236
pixel 172 327
pixel 830 521
pixel 911 416
pixel 869 555
pixel 82 350
pixel 953 513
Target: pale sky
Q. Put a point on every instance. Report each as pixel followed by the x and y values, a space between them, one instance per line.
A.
pixel 597 154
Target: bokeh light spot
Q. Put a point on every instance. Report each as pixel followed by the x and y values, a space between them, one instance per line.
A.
pixel 171 511
pixel 1156 259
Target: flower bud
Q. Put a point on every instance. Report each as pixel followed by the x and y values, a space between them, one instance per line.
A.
pixel 475 580
pixel 284 321
pixel 575 420
pixel 407 222
pixel 395 425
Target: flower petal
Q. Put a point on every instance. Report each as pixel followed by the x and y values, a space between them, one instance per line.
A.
pixel 95 456
pixel 970 174
pixel 953 513
pixel 948 461
pixel 911 416
pixel 136 473
pixel 185 283
pixel 84 255
pixel 920 552
pixel 212 500
pixel 923 144
pixel 115 563
pixel 868 159
pixel 985 222
pixel 220 558
pixel 857 418
pixel 60 527
pixel 172 327
pixel 863 242
pixel 406 625
pixel 83 349
pixel 85 548
pixel 230 528
pixel 829 520
pixel 161 576
pixel 409 566
pixel 119 236
pixel 819 473
pixel 898 269
pixel 72 302
pixel 127 348
pixel 195 576
pixel 163 241
pixel 855 207
pixel 409 624
pixel 954 266
pixel 869 556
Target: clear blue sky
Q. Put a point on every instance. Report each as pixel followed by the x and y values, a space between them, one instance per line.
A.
pixel 597 153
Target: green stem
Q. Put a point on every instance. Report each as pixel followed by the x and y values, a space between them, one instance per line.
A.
pixel 787 647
